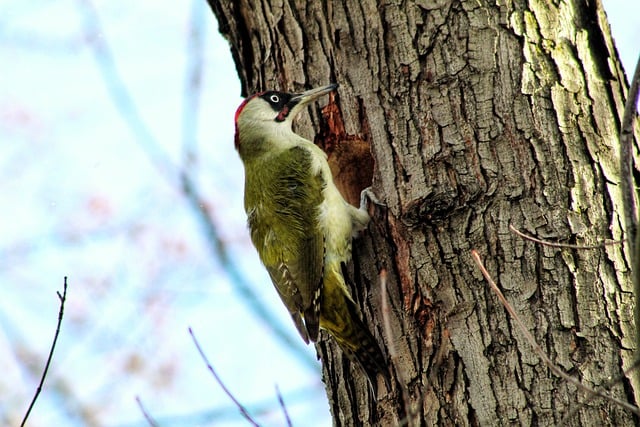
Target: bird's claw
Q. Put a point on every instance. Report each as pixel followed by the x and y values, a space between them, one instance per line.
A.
pixel 368 193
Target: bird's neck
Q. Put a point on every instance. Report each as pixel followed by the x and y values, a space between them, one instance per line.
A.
pixel 259 139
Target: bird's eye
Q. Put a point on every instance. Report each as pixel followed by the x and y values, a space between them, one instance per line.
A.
pixel 275 99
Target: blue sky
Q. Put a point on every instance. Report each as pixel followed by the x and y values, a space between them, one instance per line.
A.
pixel 96 121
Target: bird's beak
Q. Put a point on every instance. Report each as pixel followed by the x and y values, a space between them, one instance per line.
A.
pixel 300 100
pixel 313 94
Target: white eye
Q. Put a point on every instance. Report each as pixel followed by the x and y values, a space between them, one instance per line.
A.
pixel 274 99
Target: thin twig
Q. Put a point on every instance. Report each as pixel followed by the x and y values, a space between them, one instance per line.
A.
pixel 532 341
pixel 614 381
pixel 147 417
pixel 62 299
pixel 214 415
pixel 386 315
pixel 411 413
pixel 562 245
pixel 242 409
pixel 629 196
pixel 283 406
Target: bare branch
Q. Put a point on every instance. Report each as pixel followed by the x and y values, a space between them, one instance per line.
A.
pixel 283 406
pixel 562 245
pixel 242 409
pixel 629 197
pixel 120 94
pixel 532 341
pixel 193 84
pixel 62 298
pixel 386 322
pixel 214 415
pixel 148 417
pixel 617 380
pixel 410 410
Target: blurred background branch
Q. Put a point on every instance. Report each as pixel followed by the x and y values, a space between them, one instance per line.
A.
pixel 81 196
pixel 125 104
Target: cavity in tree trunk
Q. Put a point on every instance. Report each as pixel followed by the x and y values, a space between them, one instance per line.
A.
pixel 470 116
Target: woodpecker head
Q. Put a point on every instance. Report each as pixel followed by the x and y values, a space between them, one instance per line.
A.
pixel 271 113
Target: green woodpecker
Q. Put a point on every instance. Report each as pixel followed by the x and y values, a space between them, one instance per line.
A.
pixel 301 225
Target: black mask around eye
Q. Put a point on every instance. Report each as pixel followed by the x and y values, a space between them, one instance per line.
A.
pixel 280 102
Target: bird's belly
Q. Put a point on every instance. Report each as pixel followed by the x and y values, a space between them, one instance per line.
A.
pixel 335 221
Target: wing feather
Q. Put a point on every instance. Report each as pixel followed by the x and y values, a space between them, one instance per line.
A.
pixel 284 227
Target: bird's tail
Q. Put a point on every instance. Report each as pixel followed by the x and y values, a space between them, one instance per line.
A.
pixel 339 316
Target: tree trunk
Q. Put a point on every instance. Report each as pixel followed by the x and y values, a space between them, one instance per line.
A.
pixel 479 115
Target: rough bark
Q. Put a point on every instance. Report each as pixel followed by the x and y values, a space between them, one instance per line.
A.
pixel 479 115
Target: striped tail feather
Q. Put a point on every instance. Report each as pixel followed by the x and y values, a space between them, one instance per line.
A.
pixel 339 316
pixel 366 352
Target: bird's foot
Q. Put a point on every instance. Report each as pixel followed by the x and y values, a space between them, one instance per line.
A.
pixel 368 193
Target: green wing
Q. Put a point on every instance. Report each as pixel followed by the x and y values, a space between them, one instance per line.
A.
pixel 283 207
